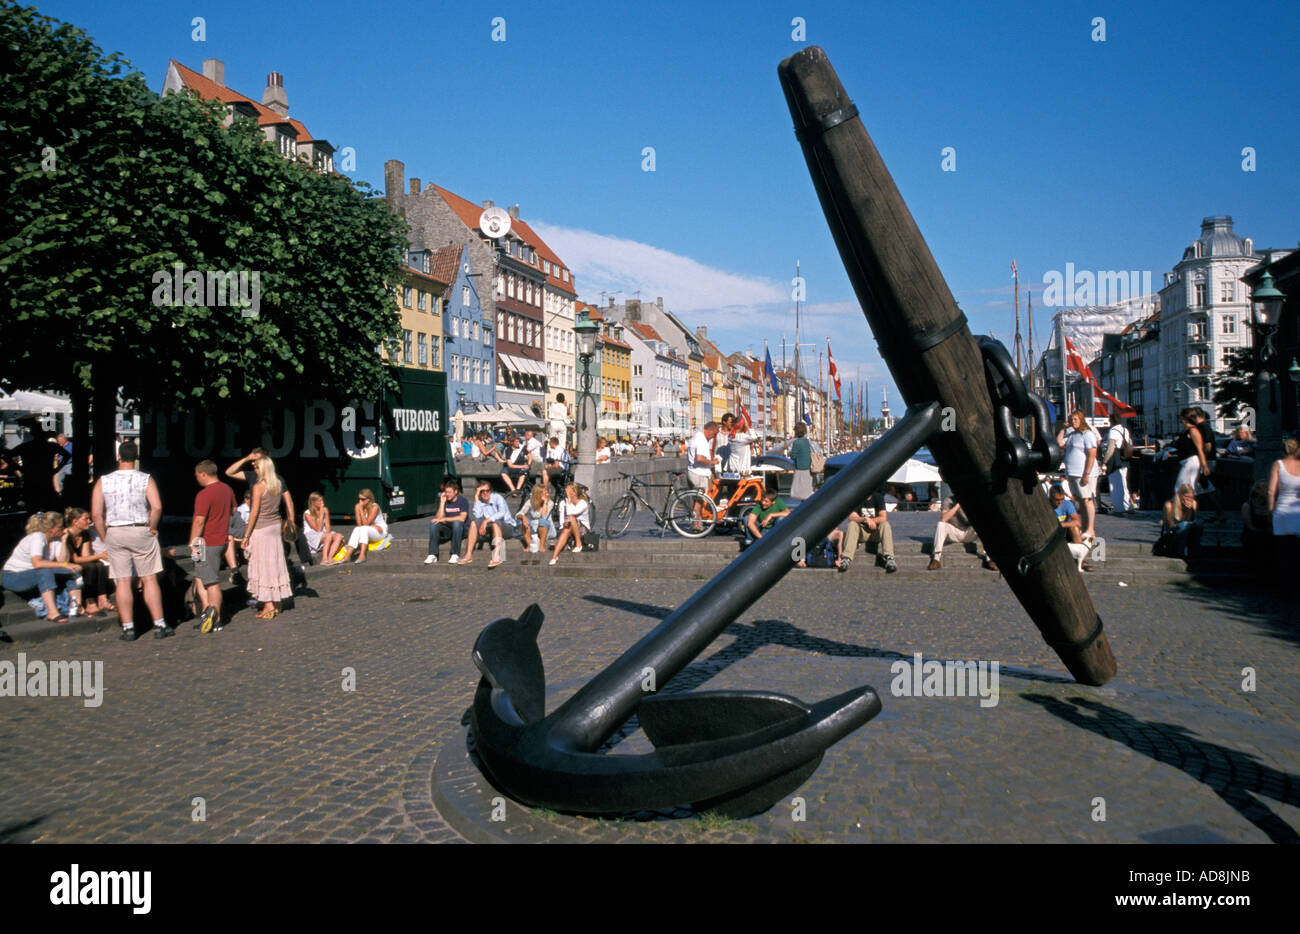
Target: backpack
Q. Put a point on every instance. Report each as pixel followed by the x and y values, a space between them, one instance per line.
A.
pixel 821 555
pixel 1123 450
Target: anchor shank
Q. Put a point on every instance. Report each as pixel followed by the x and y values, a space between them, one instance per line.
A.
pixel 588 718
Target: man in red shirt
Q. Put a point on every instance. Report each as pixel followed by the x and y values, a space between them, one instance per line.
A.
pixel 212 509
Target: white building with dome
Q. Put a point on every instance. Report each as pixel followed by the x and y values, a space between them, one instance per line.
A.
pixel 1204 318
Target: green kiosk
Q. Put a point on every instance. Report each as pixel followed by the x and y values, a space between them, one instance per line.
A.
pixel 394 445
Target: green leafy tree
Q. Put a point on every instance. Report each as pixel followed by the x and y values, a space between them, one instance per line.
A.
pixel 107 186
pixel 1234 388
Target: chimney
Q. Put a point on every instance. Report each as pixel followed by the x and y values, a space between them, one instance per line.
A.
pixel 611 301
pixel 486 205
pixel 214 69
pixel 660 302
pixel 513 212
pixel 415 186
pixel 702 332
pixel 394 173
pixel 274 97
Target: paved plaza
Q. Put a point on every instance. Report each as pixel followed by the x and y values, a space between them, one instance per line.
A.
pixel 256 721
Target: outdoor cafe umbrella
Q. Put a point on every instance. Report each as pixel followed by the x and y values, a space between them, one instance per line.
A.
pixel 915 471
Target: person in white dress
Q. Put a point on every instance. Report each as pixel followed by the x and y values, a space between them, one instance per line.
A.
pixel 1284 492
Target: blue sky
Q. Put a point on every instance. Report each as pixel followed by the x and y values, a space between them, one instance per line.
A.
pixel 1068 150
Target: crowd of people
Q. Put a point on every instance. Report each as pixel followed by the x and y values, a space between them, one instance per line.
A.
pixel 91 561
pixel 106 558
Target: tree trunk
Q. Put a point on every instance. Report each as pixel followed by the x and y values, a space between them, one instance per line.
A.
pixel 75 492
pixel 103 413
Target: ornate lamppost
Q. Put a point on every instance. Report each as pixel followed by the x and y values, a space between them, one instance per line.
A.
pixel 585 418
pixel 1266 311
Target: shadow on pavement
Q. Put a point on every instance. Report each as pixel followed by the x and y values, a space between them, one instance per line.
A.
pixel 1239 779
pixel 17 833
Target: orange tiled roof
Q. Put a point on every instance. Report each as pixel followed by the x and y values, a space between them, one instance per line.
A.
pixel 210 90
pixel 423 275
pixel 444 263
pixel 469 213
pixel 645 331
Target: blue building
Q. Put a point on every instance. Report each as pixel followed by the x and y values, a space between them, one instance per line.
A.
pixel 469 342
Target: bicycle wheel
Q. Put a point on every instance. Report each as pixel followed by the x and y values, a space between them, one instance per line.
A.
pixel 620 517
pixel 681 514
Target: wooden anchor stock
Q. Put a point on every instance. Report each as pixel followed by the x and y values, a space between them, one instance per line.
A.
pixel 933 356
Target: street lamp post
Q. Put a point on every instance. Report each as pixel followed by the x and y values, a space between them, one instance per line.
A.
pixel 585 418
pixel 1294 372
pixel 1266 311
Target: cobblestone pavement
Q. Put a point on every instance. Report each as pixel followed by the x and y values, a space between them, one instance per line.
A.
pixel 255 719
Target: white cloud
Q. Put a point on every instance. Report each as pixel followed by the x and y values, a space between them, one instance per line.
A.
pixel 611 264
pixel 738 310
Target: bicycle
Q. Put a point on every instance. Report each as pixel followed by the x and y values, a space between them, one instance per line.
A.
pixel 679 509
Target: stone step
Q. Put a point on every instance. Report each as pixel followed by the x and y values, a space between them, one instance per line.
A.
pixel 571 566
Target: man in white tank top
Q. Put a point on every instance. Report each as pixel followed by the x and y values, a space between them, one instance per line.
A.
pixel 126 508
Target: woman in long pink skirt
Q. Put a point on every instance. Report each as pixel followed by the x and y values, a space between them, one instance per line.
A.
pixel 268 575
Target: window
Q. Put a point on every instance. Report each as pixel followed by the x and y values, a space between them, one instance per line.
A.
pixel 406 296
pixel 453 365
pixel 422 299
pixel 1227 356
pixel 455 327
pixel 1200 294
pixel 1225 293
pixel 487 337
pixel 433 350
pixel 406 346
pixel 422 350
pixel 464 295
pixel 510 285
pixel 1229 323
pixel 475 331
pixel 636 370
pixel 501 286
pixel 637 394
pixel 501 324
pixel 435 306
pixel 514 330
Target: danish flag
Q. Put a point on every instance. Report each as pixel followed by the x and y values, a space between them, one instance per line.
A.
pixel 1105 401
pixel 835 371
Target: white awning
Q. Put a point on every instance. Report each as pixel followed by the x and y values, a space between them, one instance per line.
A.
pixel 508 362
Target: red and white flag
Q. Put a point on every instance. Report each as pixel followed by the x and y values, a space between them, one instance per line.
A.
pixel 744 416
pixel 1104 401
pixel 1073 361
pixel 835 371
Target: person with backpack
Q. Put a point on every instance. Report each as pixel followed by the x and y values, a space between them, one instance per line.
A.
pixel 1119 448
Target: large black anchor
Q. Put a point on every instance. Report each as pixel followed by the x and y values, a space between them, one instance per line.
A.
pixel 740 751
pixel 736 752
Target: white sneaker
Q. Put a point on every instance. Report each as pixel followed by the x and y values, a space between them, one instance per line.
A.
pixel 433 559
pixel 454 559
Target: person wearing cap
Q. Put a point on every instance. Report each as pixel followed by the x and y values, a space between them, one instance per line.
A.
pixel 126 509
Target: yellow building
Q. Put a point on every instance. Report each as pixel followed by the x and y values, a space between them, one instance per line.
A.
pixel 615 377
pixel 695 379
pixel 419 301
